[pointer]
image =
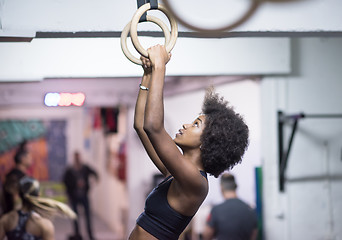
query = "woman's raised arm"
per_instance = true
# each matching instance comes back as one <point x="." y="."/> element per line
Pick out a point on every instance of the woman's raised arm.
<point x="139" y="116"/>
<point x="185" y="172"/>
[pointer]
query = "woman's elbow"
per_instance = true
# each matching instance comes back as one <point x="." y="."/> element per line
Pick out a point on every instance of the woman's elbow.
<point x="137" y="126"/>
<point x="150" y="127"/>
<point x="147" y="128"/>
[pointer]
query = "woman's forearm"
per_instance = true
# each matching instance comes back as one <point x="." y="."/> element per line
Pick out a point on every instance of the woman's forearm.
<point x="139" y="123"/>
<point x="141" y="103"/>
<point x="154" y="110"/>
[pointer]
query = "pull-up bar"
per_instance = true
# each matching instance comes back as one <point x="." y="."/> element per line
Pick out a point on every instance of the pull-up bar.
<point x="284" y="154"/>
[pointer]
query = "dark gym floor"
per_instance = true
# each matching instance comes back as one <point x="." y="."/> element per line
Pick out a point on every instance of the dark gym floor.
<point x="64" y="228"/>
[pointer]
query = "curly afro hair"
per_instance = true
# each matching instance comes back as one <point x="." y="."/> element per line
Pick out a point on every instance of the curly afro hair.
<point x="225" y="136"/>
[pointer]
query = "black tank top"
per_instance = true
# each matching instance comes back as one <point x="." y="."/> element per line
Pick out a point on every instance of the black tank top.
<point x="159" y="218"/>
<point x="19" y="233"/>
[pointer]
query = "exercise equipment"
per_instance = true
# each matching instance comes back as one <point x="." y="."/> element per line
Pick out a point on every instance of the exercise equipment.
<point x="215" y="31"/>
<point x="134" y="25"/>
<point x="284" y="153"/>
<point x="139" y="16"/>
<point x="126" y="31"/>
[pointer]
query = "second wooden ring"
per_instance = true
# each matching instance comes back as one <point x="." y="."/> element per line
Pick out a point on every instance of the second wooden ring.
<point x="126" y="31"/>
<point x="134" y="28"/>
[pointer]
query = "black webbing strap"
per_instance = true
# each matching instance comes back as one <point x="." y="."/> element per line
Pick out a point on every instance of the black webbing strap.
<point x="154" y="5"/>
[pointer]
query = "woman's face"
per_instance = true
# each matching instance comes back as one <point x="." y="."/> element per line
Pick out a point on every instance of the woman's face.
<point x="27" y="159"/>
<point x="190" y="135"/>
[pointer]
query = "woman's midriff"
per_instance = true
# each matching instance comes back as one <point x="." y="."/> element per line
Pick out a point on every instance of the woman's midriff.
<point x="139" y="233"/>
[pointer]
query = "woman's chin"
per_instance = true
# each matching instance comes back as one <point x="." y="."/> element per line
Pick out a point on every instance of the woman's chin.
<point x="175" y="140"/>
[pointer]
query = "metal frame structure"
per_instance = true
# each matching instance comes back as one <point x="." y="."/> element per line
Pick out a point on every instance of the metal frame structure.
<point x="284" y="153"/>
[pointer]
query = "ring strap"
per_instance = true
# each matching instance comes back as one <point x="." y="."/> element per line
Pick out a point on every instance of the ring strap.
<point x="140" y="3"/>
<point x="154" y="5"/>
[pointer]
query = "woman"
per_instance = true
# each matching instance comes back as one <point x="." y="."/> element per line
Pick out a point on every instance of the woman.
<point x="213" y="142"/>
<point x="23" y="161"/>
<point x="29" y="222"/>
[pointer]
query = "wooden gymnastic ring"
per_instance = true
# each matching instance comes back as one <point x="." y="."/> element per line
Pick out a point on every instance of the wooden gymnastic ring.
<point x="212" y="31"/>
<point x="125" y="33"/>
<point x="134" y="25"/>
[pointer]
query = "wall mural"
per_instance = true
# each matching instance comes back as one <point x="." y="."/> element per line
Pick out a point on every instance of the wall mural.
<point x="46" y="142"/>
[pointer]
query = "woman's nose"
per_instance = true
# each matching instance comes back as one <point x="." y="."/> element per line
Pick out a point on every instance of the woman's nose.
<point x="185" y="126"/>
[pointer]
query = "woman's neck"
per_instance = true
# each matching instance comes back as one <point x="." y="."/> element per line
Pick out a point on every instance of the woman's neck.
<point x="22" y="168"/>
<point x="194" y="156"/>
<point x="25" y="209"/>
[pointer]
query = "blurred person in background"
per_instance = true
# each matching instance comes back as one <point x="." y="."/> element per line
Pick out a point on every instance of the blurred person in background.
<point x="77" y="181"/>
<point x="233" y="219"/>
<point x="31" y="221"/>
<point x="23" y="161"/>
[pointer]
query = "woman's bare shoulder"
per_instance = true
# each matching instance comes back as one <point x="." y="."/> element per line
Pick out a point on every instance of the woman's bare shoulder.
<point x="39" y="218"/>
<point x="44" y="223"/>
<point x="10" y="216"/>
<point x="9" y="220"/>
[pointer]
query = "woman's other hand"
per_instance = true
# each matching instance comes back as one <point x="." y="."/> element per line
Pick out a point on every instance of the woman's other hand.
<point x="147" y="66"/>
